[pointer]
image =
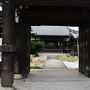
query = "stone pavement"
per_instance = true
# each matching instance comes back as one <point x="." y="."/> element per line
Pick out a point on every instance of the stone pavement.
<point x="62" y="79"/>
<point x="53" y="63"/>
<point x="52" y="79"/>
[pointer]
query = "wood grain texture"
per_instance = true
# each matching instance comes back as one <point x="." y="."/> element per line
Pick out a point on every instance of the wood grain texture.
<point x="80" y="3"/>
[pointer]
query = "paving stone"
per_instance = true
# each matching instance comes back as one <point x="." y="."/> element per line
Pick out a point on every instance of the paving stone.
<point x="53" y="63"/>
<point x="51" y="79"/>
<point x="61" y="79"/>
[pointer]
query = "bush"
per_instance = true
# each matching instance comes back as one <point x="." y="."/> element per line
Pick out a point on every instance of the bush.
<point x="36" y="46"/>
<point x="75" y="50"/>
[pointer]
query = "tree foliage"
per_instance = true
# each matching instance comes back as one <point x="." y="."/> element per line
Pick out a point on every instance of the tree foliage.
<point x="36" y="46"/>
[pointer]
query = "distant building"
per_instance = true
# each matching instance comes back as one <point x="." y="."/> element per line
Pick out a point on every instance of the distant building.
<point x="56" y="38"/>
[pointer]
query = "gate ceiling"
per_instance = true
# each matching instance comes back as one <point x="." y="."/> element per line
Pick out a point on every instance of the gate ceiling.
<point x="80" y="3"/>
<point x="55" y="12"/>
<point x="56" y="15"/>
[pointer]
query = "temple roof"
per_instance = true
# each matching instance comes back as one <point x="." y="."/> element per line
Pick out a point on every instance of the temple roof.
<point x="53" y="31"/>
<point x="50" y="30"/>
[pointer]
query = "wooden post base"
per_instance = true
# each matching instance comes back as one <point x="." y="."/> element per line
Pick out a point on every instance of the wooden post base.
<point x="7" y="79"/>
<point x="18" y="76"/>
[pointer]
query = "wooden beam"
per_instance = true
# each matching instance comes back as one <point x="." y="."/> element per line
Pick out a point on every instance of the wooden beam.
<point x="73" y="3"/>
<point x="55" y="16"/>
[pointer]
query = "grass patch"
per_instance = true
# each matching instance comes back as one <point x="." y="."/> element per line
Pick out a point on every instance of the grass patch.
<point x="68" y="58"/>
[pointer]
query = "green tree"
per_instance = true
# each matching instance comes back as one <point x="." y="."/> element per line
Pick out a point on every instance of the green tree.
<point x="36" y="46"/>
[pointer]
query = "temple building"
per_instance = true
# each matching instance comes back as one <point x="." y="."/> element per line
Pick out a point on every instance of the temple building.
<point x="56" y="38"/>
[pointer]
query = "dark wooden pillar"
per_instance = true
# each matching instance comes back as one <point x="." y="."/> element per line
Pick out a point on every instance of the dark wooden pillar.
<point x="84" y="48"/>
<point x="84" y="62"/>
<point x="88" y="51"/>
<point x="8" y="43"/>
<point x="23" y="58"/>
<point x="28" y="47"/>
<point x="81" y="49"/>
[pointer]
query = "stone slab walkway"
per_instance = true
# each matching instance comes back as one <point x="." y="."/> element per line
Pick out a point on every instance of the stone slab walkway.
<point x="53" y="79"/>
<point x="62" y="79"/>
<point x="53" y="63"/>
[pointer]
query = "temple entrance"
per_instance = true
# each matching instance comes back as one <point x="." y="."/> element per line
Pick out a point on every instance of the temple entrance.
<point x="51" y="44"/>
<point x="16" y="32"/>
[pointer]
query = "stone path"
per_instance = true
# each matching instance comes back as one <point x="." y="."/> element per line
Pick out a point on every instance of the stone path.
<point x="55" y="76"/>
<point x="53" y="63"/>
<point x="51" y="79"/>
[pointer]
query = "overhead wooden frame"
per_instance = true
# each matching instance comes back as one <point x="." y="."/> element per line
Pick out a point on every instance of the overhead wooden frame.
<point x="42" y="15"/>
<point x="73" y="3"/>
